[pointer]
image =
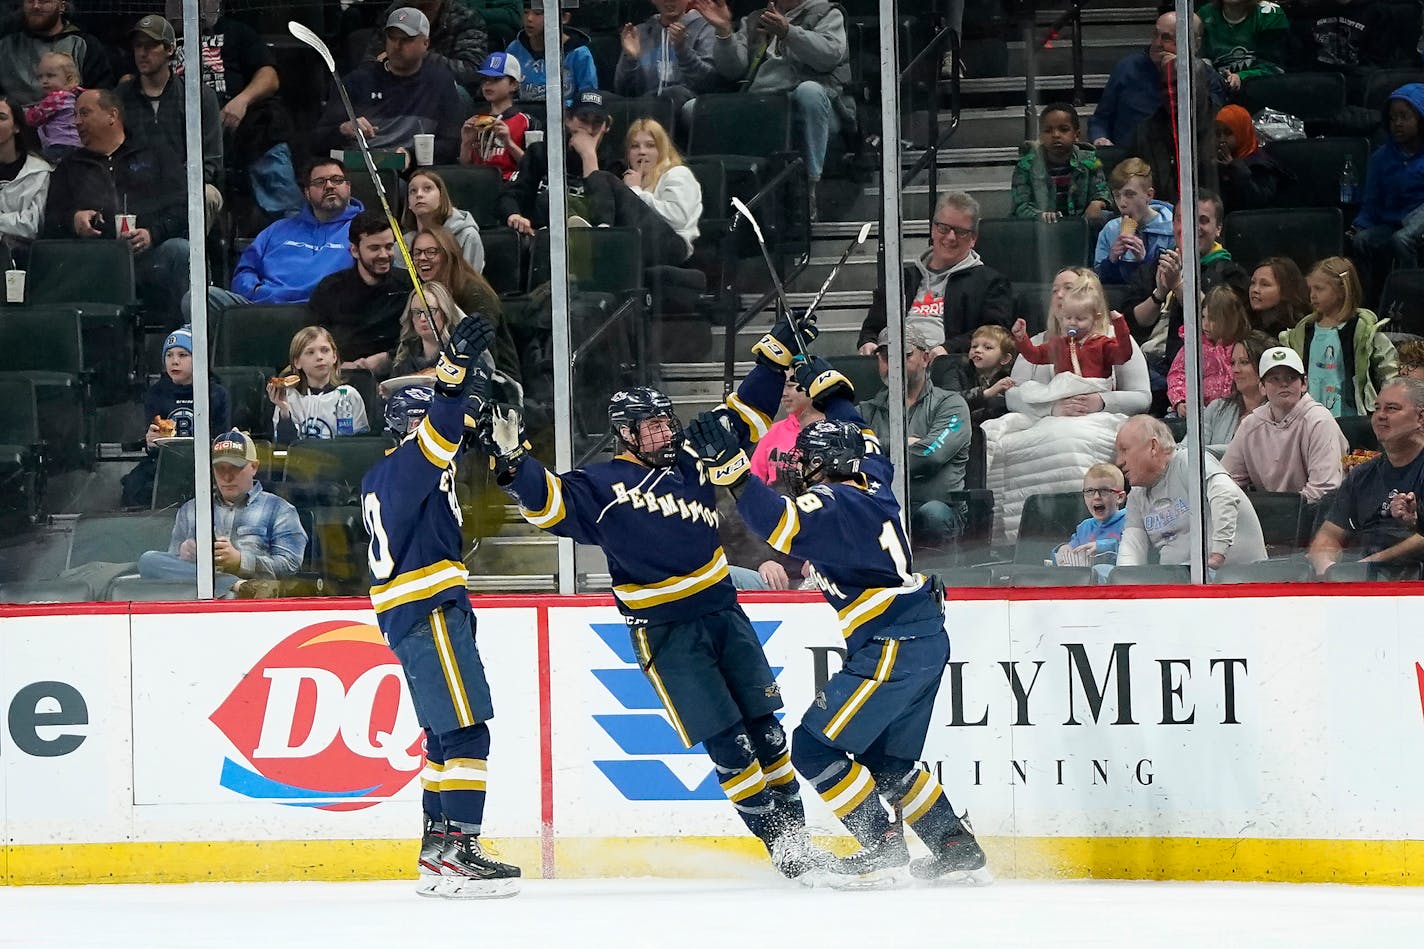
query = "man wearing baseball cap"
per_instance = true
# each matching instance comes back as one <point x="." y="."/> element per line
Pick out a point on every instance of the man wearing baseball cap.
<point x="497" y="138"/>
<point x="1290" y="442"/>
<point x="257" y="536"/>
<point x="407" y="93"/>
<point x="457" y="37"/>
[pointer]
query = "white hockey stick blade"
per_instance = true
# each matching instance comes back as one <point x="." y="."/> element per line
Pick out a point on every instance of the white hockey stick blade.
<point x="746" y="212"/>
<point x="864" y="233"/>
<point x="315" y="42"/>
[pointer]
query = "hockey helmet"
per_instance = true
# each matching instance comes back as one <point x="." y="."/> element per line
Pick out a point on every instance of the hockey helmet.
<point x="827" y="449"/>
<point x="406" y="407"/>
<point x="629" y="409"/>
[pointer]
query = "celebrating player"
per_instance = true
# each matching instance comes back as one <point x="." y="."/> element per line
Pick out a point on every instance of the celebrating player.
<point x="418" y="592"/>
<point x="655" y="516"/>
<point x="867" y="727"/>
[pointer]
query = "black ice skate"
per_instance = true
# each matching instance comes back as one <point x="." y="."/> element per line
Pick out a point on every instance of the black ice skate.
<point x="957" y="859"/>
<point x="432" y="841"/>
<point x="797" y="857"/>
<point x="877" y="863"/>
<point x="466" y="873"/>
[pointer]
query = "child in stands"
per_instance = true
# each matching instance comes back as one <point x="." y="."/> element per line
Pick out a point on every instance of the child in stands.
<point x="1390" y="226"/>
<point x="1060" y="177"/>
<point x="984" y="379"/>
<point x="1142" y="230"/>
<point x="309" y="398"/>
<point x="497" y="138"/>
<point x="1223" y="324"/>
<point x="53" y="116"/>
<point x="1096" y="539"/>
<point x="1094" y="340"/>
<point x="1411" y="359"/>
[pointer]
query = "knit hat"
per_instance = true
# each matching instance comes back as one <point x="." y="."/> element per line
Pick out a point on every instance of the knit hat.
<point x="179" y="339"/>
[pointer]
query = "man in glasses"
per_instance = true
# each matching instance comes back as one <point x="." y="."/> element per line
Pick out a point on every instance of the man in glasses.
<point x="949" y="282"/>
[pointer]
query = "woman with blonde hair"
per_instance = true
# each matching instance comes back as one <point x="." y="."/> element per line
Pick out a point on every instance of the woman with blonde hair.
<point x="428" y="206"/>
<point x="423" y="328"/>
<point x="437" y="260"/>
<point x="657" y="176"/>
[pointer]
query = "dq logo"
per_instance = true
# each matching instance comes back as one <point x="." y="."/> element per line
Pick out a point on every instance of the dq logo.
<point x="645" y="731"/>
<point x="323" y="720"/>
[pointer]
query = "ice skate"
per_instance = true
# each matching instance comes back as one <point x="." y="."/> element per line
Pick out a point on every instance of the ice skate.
<point x="797" y="857"/>
<point x="431" y="843"/>
<point x="468" y="874"/>
<point x="878" y="865"/>
<point x="957" y="859"/>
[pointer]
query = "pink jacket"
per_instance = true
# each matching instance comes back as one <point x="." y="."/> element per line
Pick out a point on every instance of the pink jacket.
<point x="1216" y="373"/>
<point x="778" y="440"/>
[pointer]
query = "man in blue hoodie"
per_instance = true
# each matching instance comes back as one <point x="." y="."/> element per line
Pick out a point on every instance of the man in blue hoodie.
<point x="291" y="256"/>
<point x="1390" y="225"/>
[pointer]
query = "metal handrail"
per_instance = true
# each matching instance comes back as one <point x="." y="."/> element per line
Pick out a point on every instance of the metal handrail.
<point x="1072" y="16"/>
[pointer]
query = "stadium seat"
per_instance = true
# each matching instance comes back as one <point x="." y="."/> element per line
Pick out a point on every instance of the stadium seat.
<point x="248" y="408"/>
<point x="1315" y="165"/>
<point x="1382" y="82"/>
<point x="708" y="253"/>
<point x="1025" y="575"/>
<point x="1178" y="427"/>
<point x="1359" y="433"/>
<point x="1402" y="302"/>
<point x="44" y="591"/>
<point x="1305" y="235"/>
<point x="977" y="507"/>
<point x="1110" y="155"/>
<point x="363" y="189"/>
<point x="1047" y="522"/>
<point x="80" y="271"/>
<point x="137" y="589"/>
<point x="944" y="371"/>
<point x="336" y="548"/>
<point x="1312" y="96"/>
<point x="1291" y="570"/>
<point x="1279" y="513"/>
<point x="327" y="472"/>
<point x="504" y="260"/>
<point x="259" y="335"/>
<point x="1031" y="304"/>
<point x="626" y="111"/>
<point x="1356" y="571"/>
<point x="966" y="577"/>
<point x="1154" y="573"/>
<point x="45" y="345"/>
<point x="21" y="452"/>
<point x="474" y="188"/>
<point x="1027" y="251"/>
<point x="173" y="480"/>
<point x="863" y="373"/>
<point x="745" y="130"/>
<point x="118" y="538"/>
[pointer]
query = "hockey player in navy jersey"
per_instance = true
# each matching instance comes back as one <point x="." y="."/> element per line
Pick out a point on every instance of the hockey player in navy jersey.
<point x="861" y="738"/>
<point x="418" y="591"/>
<point x="655" y="516"/>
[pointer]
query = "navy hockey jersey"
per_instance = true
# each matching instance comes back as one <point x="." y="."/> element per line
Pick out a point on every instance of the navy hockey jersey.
<point x="657" y="526"/>
<point x="850" y="532"/>
<point x="413" y="518"/>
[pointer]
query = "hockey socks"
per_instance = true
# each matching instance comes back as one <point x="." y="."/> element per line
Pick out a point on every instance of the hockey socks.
<point x="459" y="758"/>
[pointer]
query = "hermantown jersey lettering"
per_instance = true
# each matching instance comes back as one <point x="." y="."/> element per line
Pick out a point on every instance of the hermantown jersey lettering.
<point x="413" y="518"/>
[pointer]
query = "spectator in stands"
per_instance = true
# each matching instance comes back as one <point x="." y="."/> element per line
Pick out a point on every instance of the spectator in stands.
<point x="154" y="109"/>
<point x="1350" y="37"/>
<point x="1370" y="511"/>
<point x="1221" y="419"/>
<point x="670" y="196"/>
<point x="437" y="259"/>
<point x="1059" y="177"/>
<point x="1136" y="88"/>
<point x="503" y="19"/>
<point x="361" y="305"/>
<point x="457" y="37"/>
<point x="406" y="94"/>
<point x="523" y="203"/>
<point x="423" y="327"/>
<point x="168" y="407"/>
<point x="1155" y="138"/>
<point x="1348" y="359"/>
<point x="1247" y="174"/>
<point x="53" y="116"/>
<point x="257" y="536"/>
<point x="1411" y="359"/>
<point x="1291" y="443"/>
<point x="1129" y="392"/>
<point x="1096" y="539"/>
<point x="1141" y="231"/>
<point x="242" y="72"/>
<point x="1223" y="325"/>
<point x="579" y="73"/>
<point x="428" y="206"/>
<point x="112" y="175"/>
<point x="798" y="47"/>
<point x="1390" y="225"/>
<point x="773" y="450"/>
<point x="1159" y="509"/>
<point x="937" y="433"/>
<point x="1244" y="39"/>
<point x="497" y="137"/>
<point x="1094" y="340"/>
<point x="984" y="377"/>
<point x="949" y="281"/>
<point x="668" y="55"/>
<point x="24" y="183"/>
<point x="317" y="405"/>
<point x="1278" y="295"/>
<point x="43" y="28"/>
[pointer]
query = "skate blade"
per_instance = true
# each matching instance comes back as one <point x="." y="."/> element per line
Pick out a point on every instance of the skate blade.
<point x="889" y="879"/>
<point x="980" y="877"/>
<point x="469" y="888"/>
<point x="428" y="886"/>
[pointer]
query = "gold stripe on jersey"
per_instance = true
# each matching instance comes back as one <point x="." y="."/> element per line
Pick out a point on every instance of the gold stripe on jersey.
<point x="872" y="603"/>
<point x="786" y="529"/>
<point x="464" y="774"/>
<point x="553" y="510"/>
<point x="757" y="421"/>
<point x="779" y="771"/>
<point x="918" y="799"/>
<point x="415" y="585"/>
<point x="745" y="783"/>
<point x="847" y="793"/>
<point x="445" y="650"/>
<point x="437" y="450"/>
<point x="889" y="648"/>
<point x="645" y="659"/>
<point x="430" y="775"/>
<point x="642" y="596"/>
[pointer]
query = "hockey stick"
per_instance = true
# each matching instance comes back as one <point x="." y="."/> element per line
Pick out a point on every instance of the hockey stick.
<point x="316" y="43"/>
<point x="740" y="207"/>
<point x="816" y="300"/>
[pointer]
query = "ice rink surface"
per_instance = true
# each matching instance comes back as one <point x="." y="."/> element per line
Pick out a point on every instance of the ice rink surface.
<point x="692" y="914"/>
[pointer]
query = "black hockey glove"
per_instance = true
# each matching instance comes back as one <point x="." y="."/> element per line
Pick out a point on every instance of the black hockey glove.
<point x="457" y="372"/>
<point x="822" y="382"/>
<point x="719" y="451"/>
<point x="776" y="349"/>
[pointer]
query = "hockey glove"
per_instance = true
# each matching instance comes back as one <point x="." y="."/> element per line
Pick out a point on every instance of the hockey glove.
<point x="719" y="451"/>
<point x="502" y="436"/>
<point x="776" y="349"/>
<point x="822" y="382"/>
<point x="456" y="370"/>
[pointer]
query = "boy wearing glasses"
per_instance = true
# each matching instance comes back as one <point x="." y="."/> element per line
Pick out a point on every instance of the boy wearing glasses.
<point x="1096" y="539"/>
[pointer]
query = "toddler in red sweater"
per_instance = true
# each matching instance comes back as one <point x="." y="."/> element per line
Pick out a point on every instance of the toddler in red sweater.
<point x="1083" y="338"/>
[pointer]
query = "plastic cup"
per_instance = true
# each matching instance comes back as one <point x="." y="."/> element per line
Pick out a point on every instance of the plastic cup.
<point x="125" y="224"/>
<point x="424" y="149"/>
<point x="532" y="136"/>
<point x="14" y="286"/>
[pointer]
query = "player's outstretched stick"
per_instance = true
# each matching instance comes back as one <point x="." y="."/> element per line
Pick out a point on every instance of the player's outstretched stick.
<point x="830" y="277"/>
<point x="746" y="212"/>
<point x="316" y="43"/>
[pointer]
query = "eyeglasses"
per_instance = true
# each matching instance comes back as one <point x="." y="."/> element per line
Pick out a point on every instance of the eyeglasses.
<point x="426" y="314"/>
<point x="944" y="230"/>
<point x="335" y="180"/>
<point x="1099" y="492"/>
<point x="425" y="253"/>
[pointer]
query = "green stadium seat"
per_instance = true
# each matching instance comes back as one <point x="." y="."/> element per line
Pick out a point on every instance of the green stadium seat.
<point x="328" y="471"/>
<point x="80" y="271"/>
<point x="1315" y="165"/>
<point x="259" y="335"/>
<point x="1292" y="570"/>
<point x="1280" y="515"/>
<point x="1048" y="520"/>
<point x="45" y="345"/>
<point x="474" y="188"/>
<point x="1305" y="235"/>
<point x="21" y="453"/>
<point x="1154" y="573"/>
<point x="248" y="407"/>
<point x="119" y="538"/>
<point x="1312" y="96"/>
<point x="1028" y="251"/>
<point x="863" y="373"/>
<point x="1024" y="575"/>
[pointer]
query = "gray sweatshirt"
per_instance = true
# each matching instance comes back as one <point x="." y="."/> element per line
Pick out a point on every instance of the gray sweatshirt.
<point x="1159" y="518"/>
<point x="660" y="63"/>
<point x="815" y="48"/>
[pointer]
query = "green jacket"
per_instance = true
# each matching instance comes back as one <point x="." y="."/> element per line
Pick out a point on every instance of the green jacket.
<point x="1370" y="358"/>
<point x="1033" y="190"/>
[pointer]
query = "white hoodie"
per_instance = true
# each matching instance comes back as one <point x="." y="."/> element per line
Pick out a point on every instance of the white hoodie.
<point x="22" y="201"/>
<point x="677" y="197"/>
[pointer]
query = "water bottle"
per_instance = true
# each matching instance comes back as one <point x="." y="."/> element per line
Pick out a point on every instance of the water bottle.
<point x="345" y="424"/>
<point x="1349" y="183"/>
